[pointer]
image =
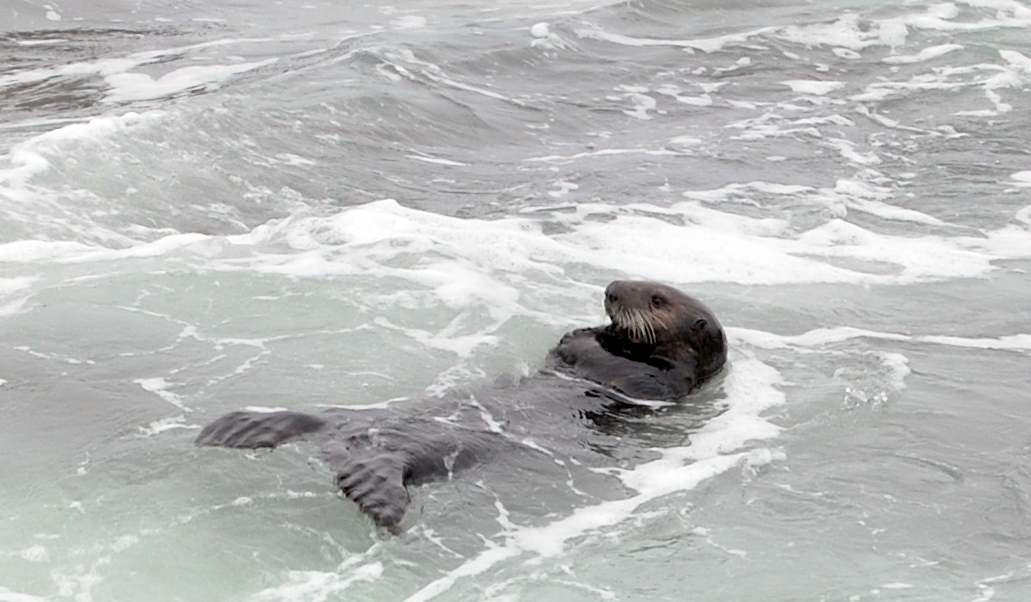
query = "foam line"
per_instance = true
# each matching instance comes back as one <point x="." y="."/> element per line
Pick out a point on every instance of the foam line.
<point x="826" y="336"/>
<point x="636" y="239"/>
<point x="127" y="87"/>
<point x="705" y="44"/>
<point x="813" y="87"/>
<point x="925" y="54"/>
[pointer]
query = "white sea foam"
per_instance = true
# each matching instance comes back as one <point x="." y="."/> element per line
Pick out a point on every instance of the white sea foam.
<point x="318" y="586"/>
<point x="992" y="77"/>
<point x="602" y="153"/>
<point x="200" y="244"/>
<point x="433" y="72"/>
<point x="436" y="160"/>
<point x="133" y="86"/>
<point x="703" y="44"/>
<point x="1016" y="60"/>
<point x="540" y="30"/>
<point x="446" y="340"/>
<point x="897" y="367"/>
<point x="814" y="87"/>
<point x="847" y="33"/>
<point x="99" y="67"/>
<point x="847" y="148"/>
<point x="1023" y="178"/>
<point x="7" y="595"/>
<point x="10" y="286"/>
<point x="159" y="386"/>
<point x="644" y="105"/>
<point x="25" y="251"/>
<point x="409" y="22"/>
<point x="35" y="553"/>
<point x="140" y="86"/>
<point x="685" y="141"/>
<point x="820" y="337"/>
<point x="711" y="245"/>
<point x="1016" y="342"/>
<point x="851" y="33"/>
<point x="265" y="409"/>
<point x="29" y="157"/>
<point x="925" y="54"/>
<point x="165" y="424"/>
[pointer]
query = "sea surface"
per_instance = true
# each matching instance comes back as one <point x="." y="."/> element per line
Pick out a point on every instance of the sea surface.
<point x="207" y="206"/>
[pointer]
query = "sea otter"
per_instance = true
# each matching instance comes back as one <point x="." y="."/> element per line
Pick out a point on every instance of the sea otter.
<point x="661" y="345"/>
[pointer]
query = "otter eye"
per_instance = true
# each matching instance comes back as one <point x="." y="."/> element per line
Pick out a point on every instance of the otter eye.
<point x="658" y="300"/>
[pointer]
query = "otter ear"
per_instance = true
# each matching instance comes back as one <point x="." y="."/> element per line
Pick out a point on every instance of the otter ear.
<point x="700" y="324"/>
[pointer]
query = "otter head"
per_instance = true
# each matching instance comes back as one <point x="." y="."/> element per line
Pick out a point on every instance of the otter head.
<point x="665" y="324"/>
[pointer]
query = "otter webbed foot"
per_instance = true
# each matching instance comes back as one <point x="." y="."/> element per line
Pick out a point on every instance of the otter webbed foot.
<point x="251" y="430"/>
<point x="377" y="485"/>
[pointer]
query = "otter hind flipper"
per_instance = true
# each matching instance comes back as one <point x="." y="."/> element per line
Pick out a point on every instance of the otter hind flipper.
<point x="377" y="485"/>
<point x="375" y="466"/>
<point x="252" y="430"/>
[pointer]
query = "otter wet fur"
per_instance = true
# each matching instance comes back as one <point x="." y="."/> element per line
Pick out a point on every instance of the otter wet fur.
<point x="661" y="345"/>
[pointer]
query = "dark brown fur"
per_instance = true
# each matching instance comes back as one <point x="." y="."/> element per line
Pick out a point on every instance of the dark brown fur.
<point x="661" y="345"/>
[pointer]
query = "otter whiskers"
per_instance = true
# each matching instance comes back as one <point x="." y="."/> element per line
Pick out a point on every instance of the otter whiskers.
<point x="639" y="325"/>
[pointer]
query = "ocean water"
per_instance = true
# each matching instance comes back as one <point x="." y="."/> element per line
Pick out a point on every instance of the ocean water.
<point x="207" y="206"/>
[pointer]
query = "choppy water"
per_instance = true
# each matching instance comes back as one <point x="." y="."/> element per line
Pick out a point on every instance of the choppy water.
<point x="208" y="206"/>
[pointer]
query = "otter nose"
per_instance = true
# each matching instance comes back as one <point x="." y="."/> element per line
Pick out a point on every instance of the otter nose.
<point x="611" y="295"/>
